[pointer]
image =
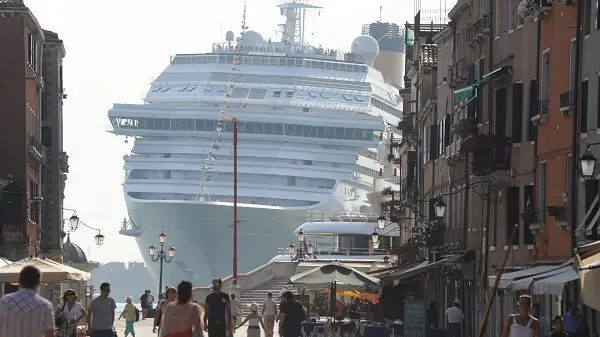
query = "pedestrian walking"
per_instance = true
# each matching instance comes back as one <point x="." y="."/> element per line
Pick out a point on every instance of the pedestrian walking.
<point x="455" y="318"/>
<point x="24" y="313"/>
<point x="291" y="316"/>
<point x="101" y="314"/>
<point x="255" y="322"/>
<point x="544" y="325"/>
<point x="236" y="309"/>
<point x="218" y="311"/>
<point x="573" y="321"/>
<point x="144" y="303"/>
<point x="182" y="318"/>
<point x="170" y="296"/>
<point x="432" y="316"/>
<point x="269" y="312"/>
<point x="131" y="315"/>
<point x="68" y="313"/>
<point x="557" y="323"/>
<point x="522" y="324"/>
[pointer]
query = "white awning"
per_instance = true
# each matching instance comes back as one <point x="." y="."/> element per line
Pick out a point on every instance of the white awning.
<point x="507" y="279"/>
<point x="525" y="283"/>
<point x="554" y="285"/>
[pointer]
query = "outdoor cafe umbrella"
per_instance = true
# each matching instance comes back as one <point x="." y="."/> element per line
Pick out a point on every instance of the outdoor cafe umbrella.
<point x="51" y="271"/>
<point x="342" y="276"/>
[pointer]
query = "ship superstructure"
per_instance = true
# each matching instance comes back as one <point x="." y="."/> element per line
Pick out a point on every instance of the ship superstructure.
<point x="309" y="121"/>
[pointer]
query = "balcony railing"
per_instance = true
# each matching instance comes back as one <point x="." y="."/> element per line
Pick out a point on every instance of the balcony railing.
<point x="489" y="160"/>
<point x="37" y="149"/>
<point x="542" y="112"/>
<point x="567" y="101"/>
<point x="536" y="219"/>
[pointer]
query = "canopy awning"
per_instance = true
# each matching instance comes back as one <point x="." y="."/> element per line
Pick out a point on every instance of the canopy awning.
<point x="4" y="262"/>
<point x="343" y="276"/>
<point x="422" y="268"/>
<point x="554" y="285"/>
<point x="589" y="274"/>
<point x="51" y="271"/>
<point x="507" y="280"/>
<point x="467" y="91"/>
<point x="525" y="283"/>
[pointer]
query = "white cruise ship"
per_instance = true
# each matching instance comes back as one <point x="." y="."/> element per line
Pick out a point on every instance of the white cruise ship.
<point x="309" y="120"/>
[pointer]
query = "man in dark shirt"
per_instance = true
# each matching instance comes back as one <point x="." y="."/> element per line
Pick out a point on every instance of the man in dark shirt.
<point x="144" y="303"/>
<point x="432" y="316"/>
<point x="291" y="316"/>
<point x="218" y="310"/>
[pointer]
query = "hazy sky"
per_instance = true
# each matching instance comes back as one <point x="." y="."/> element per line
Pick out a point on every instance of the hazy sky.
<point x="115" y="48"/>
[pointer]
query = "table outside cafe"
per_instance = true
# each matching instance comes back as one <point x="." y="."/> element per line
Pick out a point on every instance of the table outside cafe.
<point x="340" y="278"/>
<point x="52" y="272"/>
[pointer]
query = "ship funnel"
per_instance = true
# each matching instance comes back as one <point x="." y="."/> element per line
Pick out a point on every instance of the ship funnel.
<point x="367" y="47"/>
<point x="229" y="36"/>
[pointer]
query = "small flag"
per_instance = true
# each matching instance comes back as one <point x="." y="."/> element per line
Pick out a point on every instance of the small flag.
<point x="224" y="118"/>
<point x="216" y="146"/>
<point x="219" y="129"/>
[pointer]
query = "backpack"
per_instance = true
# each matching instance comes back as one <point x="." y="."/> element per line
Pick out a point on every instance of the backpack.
<point x="137" y="315"/>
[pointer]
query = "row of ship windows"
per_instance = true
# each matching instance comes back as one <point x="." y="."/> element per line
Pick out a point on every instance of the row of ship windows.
<point x="270" y="61"/>
<point x="297" y="130"/>
<point x="257" y="93"/>
<point x="241" y="200"/>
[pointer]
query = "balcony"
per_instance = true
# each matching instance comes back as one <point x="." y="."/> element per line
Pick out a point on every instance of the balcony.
<point x="478" y="30"/>
<point x="560" y="214"/>
<point x="453" y="239"/>
<point x="542" y="112"/>
<point x="453" y="152"/>
<point x="545" y="7"/>
<point x="535" y="219"/>
<point x="567" y="102"/>
<point x="64" y="162"/>
<point x="491" y="156"/>
<point x="36" y="149"/>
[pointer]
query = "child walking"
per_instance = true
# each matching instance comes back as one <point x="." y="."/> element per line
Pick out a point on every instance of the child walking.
<point x="255" y="322"/>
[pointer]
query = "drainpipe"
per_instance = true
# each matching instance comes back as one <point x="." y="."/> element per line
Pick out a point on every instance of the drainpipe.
<point x="537" y="129"/>
<point x="575" y="145"/>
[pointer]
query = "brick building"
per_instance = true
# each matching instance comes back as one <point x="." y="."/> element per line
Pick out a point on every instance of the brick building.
<point x="21" y="151"/>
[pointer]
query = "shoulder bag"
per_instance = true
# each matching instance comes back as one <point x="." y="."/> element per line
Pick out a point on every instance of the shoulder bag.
<point x="59" y="320"/>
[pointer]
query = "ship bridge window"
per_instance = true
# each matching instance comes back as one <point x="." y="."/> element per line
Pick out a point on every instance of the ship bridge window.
<point x="348" y="98"/>
<point x="278" y="128"/>
<point x="277" y="93"/>
<point x="249" y="127"/>
<point x="221" y="89"/>
<point x="156" y="89"/>
<point x="200" y="125"/>
<point x="208" y="88"/>
<point x="329" y="65"/>
<point x="326" y="96"/>
<point x="182" y="89"/>
<point x="166" y="89"/>
<point x="313" y="95"/>
<point x="329" y="132"/>
<point x="268" y="128"/>
<point x="289" y="94"/>
<point x="299" y="62"/>
<point x="359" y="98"/>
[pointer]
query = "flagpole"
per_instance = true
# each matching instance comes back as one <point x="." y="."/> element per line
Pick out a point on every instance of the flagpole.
<point x="235" y="220"/>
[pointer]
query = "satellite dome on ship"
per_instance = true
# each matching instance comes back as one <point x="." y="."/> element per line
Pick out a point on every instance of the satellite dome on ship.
<point x="252" y="38"/>
<point x="367" y="47"/>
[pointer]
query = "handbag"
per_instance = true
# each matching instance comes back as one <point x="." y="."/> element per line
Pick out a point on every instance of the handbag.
<point x="159" y="313"/>
<point x="59" y="320"/>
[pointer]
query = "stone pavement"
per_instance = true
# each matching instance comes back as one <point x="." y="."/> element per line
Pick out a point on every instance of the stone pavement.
<point x="143" y="328"/>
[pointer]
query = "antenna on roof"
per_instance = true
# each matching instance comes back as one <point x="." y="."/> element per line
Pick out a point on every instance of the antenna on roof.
<point x="244" y="27"/>
<point x="380" y="10"/>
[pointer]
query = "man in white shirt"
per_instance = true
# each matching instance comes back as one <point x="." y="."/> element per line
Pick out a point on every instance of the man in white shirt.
<point x="25" y="313"/>
<point x="455" y="317"/>
<point x="269" y="311"/>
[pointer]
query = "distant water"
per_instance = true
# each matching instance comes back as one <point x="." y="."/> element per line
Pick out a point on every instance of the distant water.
<point x="120" y="307"/>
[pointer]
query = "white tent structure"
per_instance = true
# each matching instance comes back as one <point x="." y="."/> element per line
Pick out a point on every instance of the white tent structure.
<point x="51" y="271"/>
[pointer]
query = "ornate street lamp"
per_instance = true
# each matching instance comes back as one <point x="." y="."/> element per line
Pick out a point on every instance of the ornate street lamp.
<point x="291" y="249"/>
<point x="74" y="221"/>
<point x="386" y="259"/>
<point x="301" y="236"/>
<point x="381" y="222"/>
<point x="587" y="163"/>
<point x="375" y="237"/>
<point x="99" y="239"/>
<point x="440" y="208"/>
<point x="161" y="256"/>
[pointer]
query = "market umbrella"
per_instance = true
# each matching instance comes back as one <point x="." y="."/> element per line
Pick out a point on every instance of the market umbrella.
<point x="51" y="271"/>
<point x="342" y="276"/>
<point x="589" y="277"/>
<point x="349" y="293"/>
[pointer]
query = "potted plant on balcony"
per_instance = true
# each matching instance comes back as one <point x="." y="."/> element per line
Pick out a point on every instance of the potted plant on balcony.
<point x="464" y="128"/>
<point x="477" y="142"/>
<point x="406" y="125"/>
<point x="553" y="210"/>
<point x="528" y="9"/>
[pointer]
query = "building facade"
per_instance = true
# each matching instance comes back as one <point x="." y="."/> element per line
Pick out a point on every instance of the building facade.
<point x="21" y="150"/>
<point x="54" y="173"/>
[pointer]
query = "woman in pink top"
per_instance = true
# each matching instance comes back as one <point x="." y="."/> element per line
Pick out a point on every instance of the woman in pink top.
<point x="182" y="317"/>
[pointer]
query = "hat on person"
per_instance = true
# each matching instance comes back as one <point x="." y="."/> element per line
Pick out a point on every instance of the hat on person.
<point x="254" y="307"/>
<point x="457" y="302"/>
<point x="128" y="298"/>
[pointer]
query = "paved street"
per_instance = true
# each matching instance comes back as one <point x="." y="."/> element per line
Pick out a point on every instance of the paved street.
<point x="143" y="328"/>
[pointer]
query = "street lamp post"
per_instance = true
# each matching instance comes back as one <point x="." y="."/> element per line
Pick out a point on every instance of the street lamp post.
<point x="161" y="257"/>
<point x="74" y="223"/>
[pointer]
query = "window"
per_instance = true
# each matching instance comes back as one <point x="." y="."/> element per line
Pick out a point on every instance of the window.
<point x="425" y="141"/>
<point x="441" y="137"/>
<point x="587" y="17"/>
<point x="277" y="93"/>
<point x="498" y="18"/>
<point x="512" y="213"/>
<point x="572" y="58"/>
<point x="528" y="195"/>
<point x="46" y="136"/>
<point x="517" y="112"/>
<point x="597" y="14"/>
<point x="533" y="97"/>
<point x="511" y="15"/>
<point x="541" y="205"/>
<point x="545" y="76"/>
<point x="433" y="142"/>
<point x="447" y="133"/>
<point x="598" y="106"/>
<point x="500" y="112"/>
<point x="584" y="107"/>
<point x="569" y="179"/>
<point x="479" y="111"/>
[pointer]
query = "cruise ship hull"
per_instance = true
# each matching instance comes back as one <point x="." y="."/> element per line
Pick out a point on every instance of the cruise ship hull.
<point x="202" y="234"/>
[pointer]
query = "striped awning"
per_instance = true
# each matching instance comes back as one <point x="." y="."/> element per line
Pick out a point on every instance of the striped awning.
<point x="554" y="285"/>
<point x="467" y="92"/>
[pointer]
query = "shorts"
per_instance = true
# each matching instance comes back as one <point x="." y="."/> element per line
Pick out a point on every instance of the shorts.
<point x="103" y="333"/>
<point x="217" y="329"/>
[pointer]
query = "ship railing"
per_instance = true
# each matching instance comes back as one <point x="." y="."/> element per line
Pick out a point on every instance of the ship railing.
<point x="340" y="216"/>
<point x="280" y="48"/>
<point x="339" y="251"/>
